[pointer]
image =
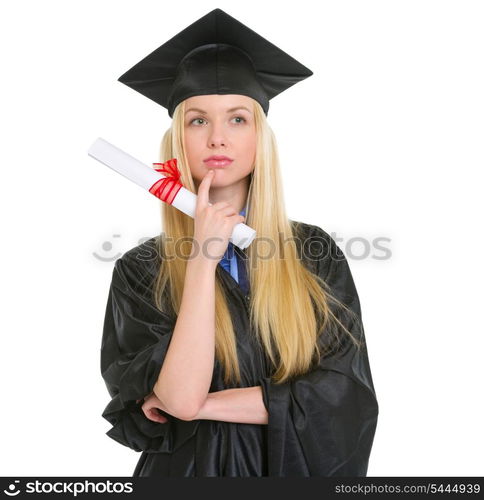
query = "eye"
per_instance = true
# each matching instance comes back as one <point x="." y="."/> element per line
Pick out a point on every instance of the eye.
<point x="197" y="119"/>
<point x="239" y="118"/>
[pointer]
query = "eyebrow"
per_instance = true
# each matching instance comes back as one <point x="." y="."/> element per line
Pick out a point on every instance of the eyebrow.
<point x="198" y="110"/>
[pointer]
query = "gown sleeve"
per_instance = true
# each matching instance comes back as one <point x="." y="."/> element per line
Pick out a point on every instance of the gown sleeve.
<point x="135" y="339"/>
<point x="323" y="422"/>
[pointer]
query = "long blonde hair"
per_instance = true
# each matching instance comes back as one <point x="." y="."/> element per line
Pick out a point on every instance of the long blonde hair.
<point x="289" y="304"/>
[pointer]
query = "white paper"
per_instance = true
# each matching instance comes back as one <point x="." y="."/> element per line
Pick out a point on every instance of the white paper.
<point x="145" y="177"/>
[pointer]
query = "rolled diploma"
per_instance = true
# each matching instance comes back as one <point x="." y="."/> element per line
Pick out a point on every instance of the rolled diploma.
<point x="145" y="177"/>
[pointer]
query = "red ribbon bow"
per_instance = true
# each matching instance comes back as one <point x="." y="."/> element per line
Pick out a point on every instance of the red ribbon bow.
<point x="167" y="188"/>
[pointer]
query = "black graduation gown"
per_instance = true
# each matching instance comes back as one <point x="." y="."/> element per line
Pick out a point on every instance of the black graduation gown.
<point x="320" y="424"/>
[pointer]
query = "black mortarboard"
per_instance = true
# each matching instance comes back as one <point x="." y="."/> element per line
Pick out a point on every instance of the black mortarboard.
<point x="215" y="55"/>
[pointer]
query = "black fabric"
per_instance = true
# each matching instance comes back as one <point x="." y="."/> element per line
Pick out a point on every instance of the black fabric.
<point x="320" y="424"/>
<point x="216" y="54"/>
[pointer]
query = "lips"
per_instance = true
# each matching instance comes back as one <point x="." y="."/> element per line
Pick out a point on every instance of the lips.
<point x="218" y="157"/>
<point x="218" y="161"/>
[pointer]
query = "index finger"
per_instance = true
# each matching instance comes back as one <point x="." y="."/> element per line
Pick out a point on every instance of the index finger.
<point x="203" y="189"/>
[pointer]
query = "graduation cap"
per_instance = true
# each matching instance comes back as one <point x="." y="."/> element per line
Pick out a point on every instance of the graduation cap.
<point x="215" y="55"/>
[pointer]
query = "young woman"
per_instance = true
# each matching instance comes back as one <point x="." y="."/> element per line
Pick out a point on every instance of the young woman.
<point x="221" y="361"/>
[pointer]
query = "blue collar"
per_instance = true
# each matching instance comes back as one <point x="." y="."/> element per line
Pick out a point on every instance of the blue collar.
<point x="229" y="260"/>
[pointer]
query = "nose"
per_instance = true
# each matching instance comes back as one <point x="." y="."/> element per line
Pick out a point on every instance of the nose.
<point x="216" y="137"/>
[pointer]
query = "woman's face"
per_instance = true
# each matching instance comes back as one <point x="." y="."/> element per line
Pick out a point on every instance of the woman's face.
<point x="220" y="125"/>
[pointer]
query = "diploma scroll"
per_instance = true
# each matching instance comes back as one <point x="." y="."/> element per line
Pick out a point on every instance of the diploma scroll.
<point x="147" y="177"/>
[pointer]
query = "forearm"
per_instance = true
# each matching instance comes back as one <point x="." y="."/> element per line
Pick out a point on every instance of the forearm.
<point x="242" y="405"/>
<point x="187" y="370"/>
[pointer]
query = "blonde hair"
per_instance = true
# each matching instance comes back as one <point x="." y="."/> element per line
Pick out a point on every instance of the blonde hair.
<point x="289" y="304"/>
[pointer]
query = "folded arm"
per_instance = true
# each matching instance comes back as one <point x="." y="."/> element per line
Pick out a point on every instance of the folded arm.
<point x="242" y="405"/>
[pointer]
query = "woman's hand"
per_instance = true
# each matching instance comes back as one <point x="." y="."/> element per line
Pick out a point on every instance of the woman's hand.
<point x="213" y="222"/>
<point x="150" y="406"/>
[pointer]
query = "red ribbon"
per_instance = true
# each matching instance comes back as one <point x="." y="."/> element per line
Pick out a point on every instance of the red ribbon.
<point x="167" y="188"/>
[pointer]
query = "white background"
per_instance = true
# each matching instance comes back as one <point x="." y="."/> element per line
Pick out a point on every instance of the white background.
<point x="385" y="140"/>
